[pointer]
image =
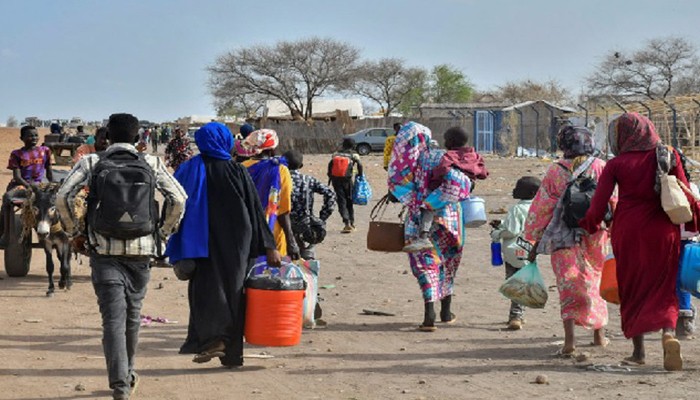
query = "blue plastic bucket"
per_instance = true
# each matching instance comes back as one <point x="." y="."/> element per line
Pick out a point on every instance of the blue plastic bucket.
<point x="690" y="269"/>
<point x="474" y="212"/>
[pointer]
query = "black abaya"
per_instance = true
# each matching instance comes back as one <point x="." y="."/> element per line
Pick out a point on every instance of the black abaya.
<point x="238" y="233"/>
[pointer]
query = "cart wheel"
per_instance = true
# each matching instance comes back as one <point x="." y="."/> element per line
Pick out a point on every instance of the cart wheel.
<point x="18" y="255"/>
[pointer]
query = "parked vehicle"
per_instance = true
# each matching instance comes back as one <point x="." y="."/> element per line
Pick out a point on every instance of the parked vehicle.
<point x="370" y="139"/>
<point x="75" y="122"/>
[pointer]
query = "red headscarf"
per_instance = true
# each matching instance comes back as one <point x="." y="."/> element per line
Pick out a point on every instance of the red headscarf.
<point x="632" y="132"/>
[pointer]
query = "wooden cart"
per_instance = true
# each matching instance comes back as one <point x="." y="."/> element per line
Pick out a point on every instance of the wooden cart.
<point x="62" y="152"/>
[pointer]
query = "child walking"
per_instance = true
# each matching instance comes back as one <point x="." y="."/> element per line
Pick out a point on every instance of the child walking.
<point x="508" y="231"/>
<point x="458" y="156"/>
<point x="308" y="229"/>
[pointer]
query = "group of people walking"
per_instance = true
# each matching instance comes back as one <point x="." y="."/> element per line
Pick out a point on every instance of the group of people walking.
<point x="625" y="214"/>
<point x="237" y="200"/>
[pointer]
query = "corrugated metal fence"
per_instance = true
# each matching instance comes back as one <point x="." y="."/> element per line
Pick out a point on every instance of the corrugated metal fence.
<point x="325" y="137"/>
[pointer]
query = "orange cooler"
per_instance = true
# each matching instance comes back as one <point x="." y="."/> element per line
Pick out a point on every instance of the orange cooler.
<point x="273" y="317"/>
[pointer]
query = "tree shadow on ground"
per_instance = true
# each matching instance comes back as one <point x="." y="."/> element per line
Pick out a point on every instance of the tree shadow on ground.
<point x="98" y="394"/>
<point x="470" y="367"/>
<point x="154" y="341"/>
<point x="143" y="372"/>
<point x="35" y="283"/>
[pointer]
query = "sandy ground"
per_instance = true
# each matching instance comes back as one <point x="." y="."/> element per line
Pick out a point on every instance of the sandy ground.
<point x="50" y="347"/>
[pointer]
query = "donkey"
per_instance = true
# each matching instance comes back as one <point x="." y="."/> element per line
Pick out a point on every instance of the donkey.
<point x="43" y="217"/>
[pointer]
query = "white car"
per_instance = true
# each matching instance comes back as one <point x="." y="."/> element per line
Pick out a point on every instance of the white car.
<point x="75" y="122"/>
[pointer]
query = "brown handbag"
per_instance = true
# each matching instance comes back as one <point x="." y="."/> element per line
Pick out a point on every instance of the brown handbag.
<point x="382" y="235"/>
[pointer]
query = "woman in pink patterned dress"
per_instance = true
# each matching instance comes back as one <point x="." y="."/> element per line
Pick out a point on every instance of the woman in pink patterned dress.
<point x="577" y="257"/>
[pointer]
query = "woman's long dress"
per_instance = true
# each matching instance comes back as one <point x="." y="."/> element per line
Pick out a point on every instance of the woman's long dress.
<point x="578" y="269"/>
<point x="645" y="242"/>
<point x="238" y="233"/>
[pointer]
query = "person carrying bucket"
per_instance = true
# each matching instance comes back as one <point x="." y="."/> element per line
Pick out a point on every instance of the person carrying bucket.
<point x="459" y="157"/>
<point x="434" y="268"/>
<point x="508" y="231"/>
<point x="223" y="231"/>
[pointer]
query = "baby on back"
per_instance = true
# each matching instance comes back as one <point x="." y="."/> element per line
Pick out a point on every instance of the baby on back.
<point x="459" y="156"/>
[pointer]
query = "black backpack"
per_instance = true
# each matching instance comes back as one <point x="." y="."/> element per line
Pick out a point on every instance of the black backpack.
<point x="578" y="194"/>
<point x="121" y="201"/>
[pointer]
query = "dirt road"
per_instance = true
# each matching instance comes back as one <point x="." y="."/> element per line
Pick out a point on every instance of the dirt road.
<point x="50" y="347"/>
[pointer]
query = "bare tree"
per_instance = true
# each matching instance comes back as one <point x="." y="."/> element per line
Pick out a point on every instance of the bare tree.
<point x="526" y="90"/>
<point x="12" y="122"/>
<point x="388" y="82"/>
<point x="293" y="72"/>
<point x="689" y="83"/>
<point x="232" y="101"/>
<point x="652" y="72"/>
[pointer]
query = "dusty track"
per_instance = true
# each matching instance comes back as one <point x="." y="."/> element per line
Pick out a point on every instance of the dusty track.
<point x="50" y="345"/>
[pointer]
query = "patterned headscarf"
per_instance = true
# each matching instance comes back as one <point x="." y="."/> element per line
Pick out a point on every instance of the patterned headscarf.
<point x="632" y="132"/>
<point x="412" y="141"/>
<point x="575" y="141"/>
<point x="242" y="151"/>
<point x="260" y="140"/>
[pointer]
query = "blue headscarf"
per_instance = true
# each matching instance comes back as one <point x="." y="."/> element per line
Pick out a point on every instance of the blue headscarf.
<point x="192" y="239"/>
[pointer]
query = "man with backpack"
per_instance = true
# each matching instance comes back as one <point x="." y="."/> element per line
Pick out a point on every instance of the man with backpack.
<point x="341" y="172"/>
<point x="124" y="232"/>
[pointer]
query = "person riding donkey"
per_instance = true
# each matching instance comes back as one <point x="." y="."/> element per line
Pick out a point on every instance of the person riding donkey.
<point x="29" y="165"/>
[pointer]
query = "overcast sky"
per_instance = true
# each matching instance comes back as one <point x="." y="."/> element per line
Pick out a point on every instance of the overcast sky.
<point x="92" y="58"/>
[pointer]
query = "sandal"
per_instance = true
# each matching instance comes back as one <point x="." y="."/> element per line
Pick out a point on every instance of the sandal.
<point x="632" y="362"/>
<point x="673" y="361"/>
<point x="452" y="320"/>
<point x="427" y="328"/>
<point x="214" y="352"/>
<point x="207" y="356"/>
<point x="562" y="354"/>
<point x="603" y="345"/>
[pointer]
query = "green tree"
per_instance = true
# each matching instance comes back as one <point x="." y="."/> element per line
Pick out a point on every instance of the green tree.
<point x="449" y="85"/>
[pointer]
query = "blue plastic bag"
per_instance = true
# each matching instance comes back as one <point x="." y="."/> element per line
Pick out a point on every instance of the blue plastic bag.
<point x="362" y="191"/>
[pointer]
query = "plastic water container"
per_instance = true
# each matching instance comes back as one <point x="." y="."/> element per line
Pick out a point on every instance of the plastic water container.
<point x="273" y="317"/>
<point x="496" y="257"/>
<point x="609" y="289"/>
<point x="474" y="212"/>
<point x="690" y="269"/>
